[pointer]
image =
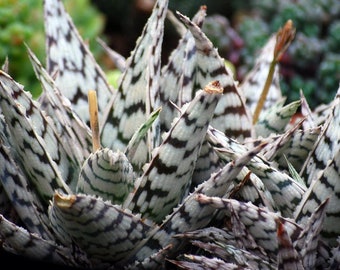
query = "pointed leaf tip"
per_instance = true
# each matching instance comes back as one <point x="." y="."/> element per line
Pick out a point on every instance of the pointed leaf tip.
<point x="64" y="201"/>
<point x="213" y="88"/>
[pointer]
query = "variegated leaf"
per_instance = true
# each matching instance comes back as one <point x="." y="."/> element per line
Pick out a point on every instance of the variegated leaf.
<point x="286" y="192"/>
<point x="321" y="112"/>
<point x="218" y="139"/>
<point x="297" y="149"/>
<point x="208" y="234"/>
<point x="231" y="115"/>
<point x="327" y="145"/>
<point x="308" y="242"/>
<point x="280" y="187"/>
<point x="19" y="241"/>
<point x="210" y="168"/>
<point x="104" y="231"/>
<point x="25" y="202"/>
<point x="306" y="113"/>
<point x="37" y="156"/>
<point x="231" y="254"/>
<point x="177" y="76"/>
<point x="167" y="178"/>
<point x="108" y="175"/>
<point x="260" y="223"/>
<point x="245" y="240"/>
<point x="157" y="260"/>
<point x="326" y="185"/>
<point x="249" y="187"/>
<point x="137" y="91"/>
<point x="207" y="162"/>
<point x="276" y="118"/>
<point x="252" y="85"/>
<point x="70" y="60"/>
<point x="191" y="215"/>
<point x="335" y="259"/>
<point x="288" y="258"/>
<point x="40" y="123"/>
<point x="73" y="132"/>
<point x="5" y="137"/>
<point x="6" y="207"/>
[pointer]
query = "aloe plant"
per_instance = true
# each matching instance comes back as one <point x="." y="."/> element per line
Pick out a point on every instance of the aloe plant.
<point x="169" y="169"/>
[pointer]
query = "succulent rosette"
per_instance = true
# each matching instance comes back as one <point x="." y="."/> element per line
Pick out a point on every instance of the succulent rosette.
<point x="170" y="168"/>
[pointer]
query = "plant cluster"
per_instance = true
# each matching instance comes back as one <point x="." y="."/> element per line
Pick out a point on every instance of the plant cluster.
<point x="179" y="166"/>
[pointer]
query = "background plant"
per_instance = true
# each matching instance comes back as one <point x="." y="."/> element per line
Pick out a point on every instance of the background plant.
<point x="317" y="71"/>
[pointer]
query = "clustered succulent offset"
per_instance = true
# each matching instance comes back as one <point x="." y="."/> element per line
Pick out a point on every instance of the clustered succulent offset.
<point x="169" y="170"/>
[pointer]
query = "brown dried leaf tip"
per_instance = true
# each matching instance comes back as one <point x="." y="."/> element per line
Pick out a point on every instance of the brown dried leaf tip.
<point x="64" y="201"/>
<point x="284" y="37"/>
<point x="214" y="87"/>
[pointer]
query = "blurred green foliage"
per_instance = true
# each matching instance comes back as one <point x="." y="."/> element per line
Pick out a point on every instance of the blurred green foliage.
<point x="22" y="22"/>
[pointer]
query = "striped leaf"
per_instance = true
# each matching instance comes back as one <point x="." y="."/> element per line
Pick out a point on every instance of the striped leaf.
<point x="309" y="242"/>
<point x="286" y="192"/>
<point x="71" y="62"/>
<point x="327" y="144"/>
<point x="108" y="175"/>
<point x="298" y="148"/>
<point x="5" y="137"/>
<point x="236" y="256"/>
<point x="325" y="186"/>
<point x="25" y="202"/>
<point x="168" y="176"/>
<point x="260" y="223"/>
<point x="276" y="118"/>
<point x="31" y="245"/>
<point x="104" y="231"/>
<point x="208" y="234"/>
<point x="231" y="115"/>
<point x="29" y="111"/>
<point x="37" y="156"/>
<point x="288" y="257"/>
<point x="137" y="96"/>
<point x="207" y="163"/>
<point x="253" y="83"/>
<point x="191" y="215"/>
<point x="177" y="76"/>
<point x="75" y="134"/>
<point x="203" y="263"/>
